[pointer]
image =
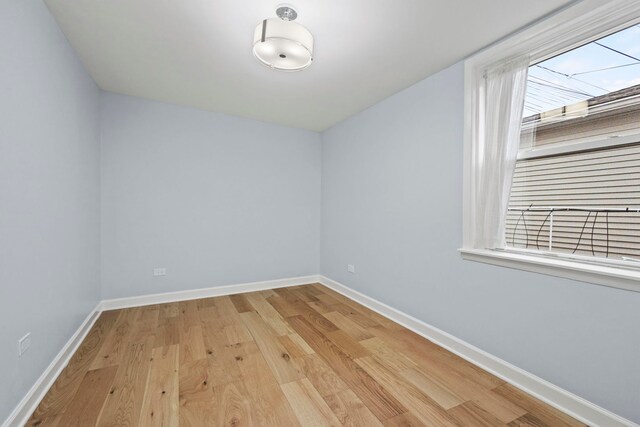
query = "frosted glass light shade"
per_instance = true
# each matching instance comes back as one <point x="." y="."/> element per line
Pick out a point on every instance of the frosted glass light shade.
<point x="283" y="45"/>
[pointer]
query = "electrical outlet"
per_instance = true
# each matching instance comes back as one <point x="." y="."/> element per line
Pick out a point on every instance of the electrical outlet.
<point x="351" y="268"/>
<point x="160" y="271"/>
<point x="23" y="344"/>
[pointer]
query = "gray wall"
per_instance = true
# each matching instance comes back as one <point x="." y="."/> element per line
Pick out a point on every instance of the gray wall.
<point x="392" y="206"/>
<point x="49" y="203"/>
<point x="214" y="199"/>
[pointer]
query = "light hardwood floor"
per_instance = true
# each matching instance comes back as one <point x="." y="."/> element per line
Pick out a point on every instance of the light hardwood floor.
<point x="304" y="355"/>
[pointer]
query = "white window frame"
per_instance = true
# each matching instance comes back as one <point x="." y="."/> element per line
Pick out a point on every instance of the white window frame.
<point x="572" y="27"/>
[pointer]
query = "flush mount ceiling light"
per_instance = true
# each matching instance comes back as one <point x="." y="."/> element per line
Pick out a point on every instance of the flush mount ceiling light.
<point x="282" y="44"/>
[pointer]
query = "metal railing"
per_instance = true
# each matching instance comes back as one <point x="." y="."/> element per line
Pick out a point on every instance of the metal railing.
<point x="551" y="210"/>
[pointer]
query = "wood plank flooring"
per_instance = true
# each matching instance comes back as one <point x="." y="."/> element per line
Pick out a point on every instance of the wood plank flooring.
<point x="300" y="356"/>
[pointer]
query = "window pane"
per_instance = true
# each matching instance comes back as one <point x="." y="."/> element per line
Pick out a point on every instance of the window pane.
<point x="576" y="198"/>
<point x="581" y="88"/>
<point x="588" y="193"/>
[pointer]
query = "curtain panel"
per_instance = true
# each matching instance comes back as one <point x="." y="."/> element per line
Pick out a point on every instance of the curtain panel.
<point x="506" y="85"/>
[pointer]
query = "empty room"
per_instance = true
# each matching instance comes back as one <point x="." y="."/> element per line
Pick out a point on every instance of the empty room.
<point x="319" y="213"/>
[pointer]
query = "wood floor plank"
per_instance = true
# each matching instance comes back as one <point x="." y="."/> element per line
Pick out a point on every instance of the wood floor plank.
<point x="503" y="409"/>
<point x="268" y="313"/>
<point x="300" y="308"/>
<point x="219" y="310"/>
<point x="283" y="308"/>
<point x="227" y="311"/>
<point x="198" y="413"/>
<point x="168" y="310"/>
<point x="241" y="303"/>
<point x="305" y="355"/>
<point x="253" y="367"/>
<point x="233" y="405"/>
<point x="470" y="414"/>
<point x="309" y="407"/>
<point x="87" y="404"/>
<point x="323" y="378"/>
<point x="404" y="420"/>
<point x="194" y="383"/>
<point x="189" y="315"/>
<point x="237" y="333"/>
<point x="205" y="304"/>
<point x="326" y="298"/>
<point x="52" y="421"/>
<point x="313" y="288"/>
<point x="269" y="404"/>
<point x="64" y="389"/>
<point x="355" y="315"/>
<point x="347" y="344"/>
<point x="124" y="402"/>
<point x="464" y="379"/>
<point x="387" y="355"/>
<point x="115" y="344"/>
<point x="292" y="347"/>
<point x="220" y="356"/>
<point x="196" y="398"/>
<point x="527" y="420"/>
<point x="303" y="293"/>
<point x="377" y="399"/>
<point x="161" y="400"/>
<point x="350" y="410"/>
<point x="320" y="307"/>
<point x="367" y="312"/>
<point x="191" y="344"/>
<point x="439" y="354"/>
<point x="284" y="367"/>
<point x="420" y="405"/>
<point x="433" y="388"/>
<point x="301" y="343"/>
<point x="409" y="370"/>
<point x="168" y="332"/>
<point x="147" y="312"/>
<point x="545" y="413"/>
<point x="347" y="325"/>
<point x="145" y="326"/>
<point x="265" y="293"/>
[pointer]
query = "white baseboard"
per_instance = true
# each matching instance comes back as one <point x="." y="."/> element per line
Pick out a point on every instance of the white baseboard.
<point x="31" y="400"/>
<point x="138" y="301"/>
<point x="563" y="400"/>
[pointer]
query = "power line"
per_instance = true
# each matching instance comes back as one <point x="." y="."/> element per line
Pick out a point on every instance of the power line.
<point x="571" y="77"/>
<point x="559" y="89"/>
<point x="553" y="85"/>
<point x="617" y="51"/>
<point x="553" y="96"/>
<point x="554" y="102"/>
<point x="604" y="69"/>
<point x="544" y="95"/>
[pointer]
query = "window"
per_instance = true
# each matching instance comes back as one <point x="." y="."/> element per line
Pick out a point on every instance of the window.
<point x="552" y="147"/>
<point x="576" y="185"/>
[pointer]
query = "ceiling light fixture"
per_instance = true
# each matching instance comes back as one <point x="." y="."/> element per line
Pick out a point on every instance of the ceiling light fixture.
<point x="282" y="44"/>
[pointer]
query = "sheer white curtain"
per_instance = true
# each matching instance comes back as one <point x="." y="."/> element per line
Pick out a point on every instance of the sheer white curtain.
<point x="506" y="85"/>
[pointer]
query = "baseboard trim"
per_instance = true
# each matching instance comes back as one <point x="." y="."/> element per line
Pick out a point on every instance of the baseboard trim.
<point x="31" y="400"/>
<point x="138" y="301"/>
<point x="551" y="394"/>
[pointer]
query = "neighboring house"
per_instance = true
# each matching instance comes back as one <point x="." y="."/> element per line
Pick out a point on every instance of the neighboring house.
<point x="583" y="163"/>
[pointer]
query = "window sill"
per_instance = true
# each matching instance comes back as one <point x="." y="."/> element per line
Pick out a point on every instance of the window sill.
<point x="614" y="277"/>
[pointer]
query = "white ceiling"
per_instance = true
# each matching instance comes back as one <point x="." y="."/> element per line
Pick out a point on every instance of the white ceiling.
<point x="198" y="52"/>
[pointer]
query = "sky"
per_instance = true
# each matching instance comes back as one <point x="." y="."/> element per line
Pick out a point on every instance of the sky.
<point x="585" y="72"/>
